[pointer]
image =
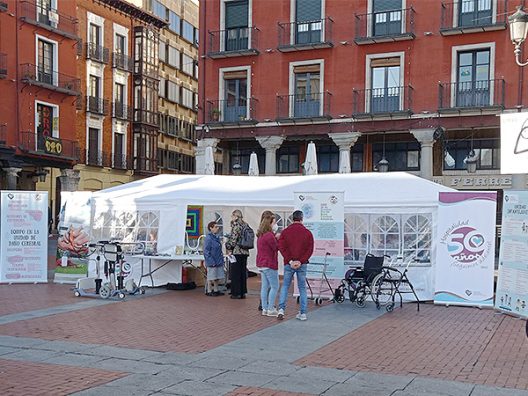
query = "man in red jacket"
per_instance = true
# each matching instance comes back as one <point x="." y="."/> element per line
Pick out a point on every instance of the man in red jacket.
<point x="296" y="245"/>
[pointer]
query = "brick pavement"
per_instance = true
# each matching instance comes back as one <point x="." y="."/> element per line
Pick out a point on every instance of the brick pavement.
<point x="26" y="378"/>
<point x="29" y="297"/>
<point x="251" y="391"/>
<point x="454" y="343"/>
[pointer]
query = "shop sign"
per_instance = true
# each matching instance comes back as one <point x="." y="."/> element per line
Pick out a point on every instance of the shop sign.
<point x="469" y="182"/>
<point x="53" y="145"/>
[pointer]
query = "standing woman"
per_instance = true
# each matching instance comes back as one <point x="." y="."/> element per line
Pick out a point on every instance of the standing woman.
<point x="267" y="262"/>
<point x="238" y="269"/>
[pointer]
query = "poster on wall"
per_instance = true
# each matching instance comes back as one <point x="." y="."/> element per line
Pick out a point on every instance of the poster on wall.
<point x="324" y="216"/>
<point x="465" y="258"/>
<point x="514" y="143"/>
<point x="512" y="285"/>
<point x="74" y="235"/>
<point x="23" y="236"/>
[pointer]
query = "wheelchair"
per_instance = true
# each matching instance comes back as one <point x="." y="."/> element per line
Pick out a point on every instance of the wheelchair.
<point x="360" y="283"/>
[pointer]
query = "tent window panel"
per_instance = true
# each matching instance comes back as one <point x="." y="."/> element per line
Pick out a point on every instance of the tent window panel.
<point x="385" y="236"/>
<point x="356" y="239"/>
<point x="417" y="232"/>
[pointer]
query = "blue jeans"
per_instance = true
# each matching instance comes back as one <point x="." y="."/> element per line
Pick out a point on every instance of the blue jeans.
<point x="269" y="288"/>
<point x="301" y="281"/>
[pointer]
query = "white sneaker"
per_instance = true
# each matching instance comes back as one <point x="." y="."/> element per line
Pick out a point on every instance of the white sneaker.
<point x="273" y="312"/>
<point x="280" y="314"/>
<point x="264" y="312"/>
<point x="301" y="316"/>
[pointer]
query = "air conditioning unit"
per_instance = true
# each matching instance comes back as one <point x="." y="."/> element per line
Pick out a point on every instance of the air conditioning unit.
<point x="53" y="17"/>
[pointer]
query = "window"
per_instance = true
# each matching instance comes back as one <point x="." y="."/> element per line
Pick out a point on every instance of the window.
<point x="119" y="93"/>
<point x="174" y="57"/>
<point x="47" y="118"/>
<point x="386" y="87"/>
<point x="94" y="86"/>
<point x="173" y="92"/>
<point x="187" y="64"/>
<point x="475" y="12"/>
<point x="236" y="25"/>
<point x="308" y="21"/>
<point x="174" y="22"/>
<point x="288" y="159"/>
<point x="357" y="158"/>
<point x="473" y="78"/>
<point x="487" y="151"/>
<point x="119" y="151"/>
<point x="401" y="156"/>
<point x="307" y="97"/>
<point x="159" y="9"/>
<point x="386" y="17"/>
<point x="94" y="156"/>
<point x="45" y="13"/>
<point x="95" y="34"/>
<point x="188" y="31"/>
<point x="45" y="63"/>
<point x="235" y="96"/>
<point x="163" y="52"/>
<point x="328" y="158"/>
<point x="120" y="44"/>
<point x="241" y="156"/>
<point x="187" y="98"/>
<point x="162" y="88"/>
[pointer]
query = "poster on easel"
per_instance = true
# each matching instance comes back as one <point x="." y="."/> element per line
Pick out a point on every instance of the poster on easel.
<point x="512" y="284"/>
<point x="23" y="236"/>
<point x="324" y="216"/>
<point x="465" y="253"/>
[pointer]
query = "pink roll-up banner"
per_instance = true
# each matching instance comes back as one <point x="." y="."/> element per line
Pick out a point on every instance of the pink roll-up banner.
<point x="465" y="251"/>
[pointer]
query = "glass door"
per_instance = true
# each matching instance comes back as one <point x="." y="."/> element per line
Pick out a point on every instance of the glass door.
<point x="307" y="98"/>
<point x="235" y="104"/>
<point x="473" y="79"/>
<point x="385" y="92"/>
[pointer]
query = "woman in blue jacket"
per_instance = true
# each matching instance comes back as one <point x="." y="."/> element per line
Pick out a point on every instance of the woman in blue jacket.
<point x="214" y="259"/>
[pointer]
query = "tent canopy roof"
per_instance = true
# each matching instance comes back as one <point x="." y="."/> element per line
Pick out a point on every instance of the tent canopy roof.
<point x="361" y="189"/>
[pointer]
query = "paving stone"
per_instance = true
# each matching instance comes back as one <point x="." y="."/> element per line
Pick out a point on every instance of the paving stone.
<point x="268" y="367"/>
<point x="242" y="378"/>
<point x="34" y="355"/>
<point x="113" y="391"/>
<point x="421" y="385"/>
<point x="375" y="381"/>
<point x="5" y="350"/>
<point x="481" y="390"/>
<point x="218" y="361"/>
<point x="192" y="373"/>
<point x="172" y="358"/>
<point x="64" y="346"/>
<point x="128" y="366"/>
<point x="122" y="353"/>
<point x="150" y="382"/>
<point x="328" y="374"/>
<point x="195" y="388"/>
<point x="347" y="390"/>
<point x="75" y="359"/>
<point x="300" y="384"/>
<point x="20" y="342"/>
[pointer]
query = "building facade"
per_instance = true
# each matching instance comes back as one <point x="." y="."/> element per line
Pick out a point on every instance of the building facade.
<point x="417" y="84"/>
<point x="38" y="142"/>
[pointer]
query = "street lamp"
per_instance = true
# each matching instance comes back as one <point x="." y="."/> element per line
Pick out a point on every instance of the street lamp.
<point x="237" y="169"/>
<point x="518" y="31"/>
<point x="471" y="161"/>
<point x="383" y="165"/>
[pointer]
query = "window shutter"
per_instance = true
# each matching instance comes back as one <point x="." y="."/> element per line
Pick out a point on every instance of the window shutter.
<point x="383" y="62"/>
<point x="386" y="5"/>
<point x="236" y="14"/>
<point x="306" y="69"/>
<point x="308" y="10"/>
<point x="235" y="74"/>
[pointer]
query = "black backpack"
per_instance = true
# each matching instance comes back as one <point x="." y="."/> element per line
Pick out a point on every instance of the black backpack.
<point x="247" y="237"/>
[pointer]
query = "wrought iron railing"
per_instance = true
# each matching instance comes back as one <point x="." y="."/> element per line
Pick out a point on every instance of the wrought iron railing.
<point x="94" y="157"/>
<point x="385" y="25"/>
<point x="66" y="149"/>
<point x="317" y="33"/>
<point x="468" y="14"/>
<point x="471" y="94"/>
<point x="39" y="75"/>
<point x="120" y="161"/>
<point x="48" y="18"/>
<point x="97" y="53"/>
<point x="122" y="62"/>
<point x="121" y="111"/>
<point x="312" y="105"/>
<point x="388" y="100"/>
<point x="97" y="105"/>
<point x="236" y="41"/>
<point x="231" y="110"/>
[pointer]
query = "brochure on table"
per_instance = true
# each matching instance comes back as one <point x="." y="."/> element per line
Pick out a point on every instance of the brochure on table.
<point x="512" y="285"/>
<point x="466" y="250"/>
<point x="24" y="236"/>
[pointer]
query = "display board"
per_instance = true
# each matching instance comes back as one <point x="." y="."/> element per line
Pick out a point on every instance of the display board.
<point x="465" y="254"/>
<point x="23" y="236"/>
<point x="514" y="143"/>
<point x="512" y="285"/>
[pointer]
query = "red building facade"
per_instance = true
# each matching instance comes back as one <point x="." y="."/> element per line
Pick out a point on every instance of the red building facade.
<point x="420" y="84"/>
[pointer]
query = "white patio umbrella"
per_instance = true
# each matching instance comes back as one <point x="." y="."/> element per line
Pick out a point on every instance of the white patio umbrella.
<point x="344" y="161"/>
<point x="209" y="166"/>
<point x="253" y="169"/>
<point x="310" y="163"/>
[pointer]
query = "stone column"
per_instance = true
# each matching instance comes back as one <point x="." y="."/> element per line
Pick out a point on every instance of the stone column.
<point x="12" y="175"/>
<point x="345" y="141"/>
<point x="69" y="179"/>
<point x="200" y="153"/>
<point x="425" y="137"/>
<point x="271" y="144"/>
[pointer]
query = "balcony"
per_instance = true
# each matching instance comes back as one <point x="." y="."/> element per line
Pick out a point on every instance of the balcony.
<point x="94" y="158"/>
<point x="382" y="102"/>
<point x="3" y="65"/>
<point x="385" y="26"/>
<point x="121" y="111"/>
<point x="306" y="35"/>
<point x="471" y="95"/>
<point x="59" y="148"/>
<point x="97" y="53"/>
<point x="242" y="41"/>
<point x="120" y="161"/>
<point x="470" y="16"/>
<point x="59" y="82"/>
<point x="49" y="19"/>
<point x="122" y="62"/>
<point x="291" y="108"/>
<point x="232" y="112"/>
<point x="146" y="117"/>
<point x="96" y="105"/>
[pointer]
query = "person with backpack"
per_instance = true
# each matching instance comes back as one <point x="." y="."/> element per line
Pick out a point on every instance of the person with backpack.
<point x="239" y="243"/>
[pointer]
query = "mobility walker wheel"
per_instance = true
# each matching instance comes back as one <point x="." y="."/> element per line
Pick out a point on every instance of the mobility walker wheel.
<point x="77" y="294"/>
<point x="390" y="307"/>
<point x="318" y="301"/>
<point x="105" y="292"/>
<point x="121" y="296"/>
